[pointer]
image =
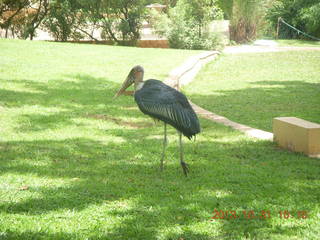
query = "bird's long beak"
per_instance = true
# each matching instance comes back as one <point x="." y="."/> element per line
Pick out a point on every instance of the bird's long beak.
<point x="127" y="83"/>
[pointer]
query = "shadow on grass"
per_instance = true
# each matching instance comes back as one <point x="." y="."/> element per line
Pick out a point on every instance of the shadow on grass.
<point x="75" y="96"/>
<point x="234" y="176"/>
<point x="258" y="105"/>
<point x="239" y="174"/>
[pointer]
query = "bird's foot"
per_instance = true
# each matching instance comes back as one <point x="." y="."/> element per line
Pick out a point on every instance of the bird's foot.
<point x="185" y="168"/>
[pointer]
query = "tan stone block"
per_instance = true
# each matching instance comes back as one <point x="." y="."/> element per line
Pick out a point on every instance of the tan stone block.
<point x="297" y="135"/>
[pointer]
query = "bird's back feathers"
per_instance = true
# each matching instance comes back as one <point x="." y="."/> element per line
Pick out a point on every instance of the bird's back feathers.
<point x="165" y="103"/>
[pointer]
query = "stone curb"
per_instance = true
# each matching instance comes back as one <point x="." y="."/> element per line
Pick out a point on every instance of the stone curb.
<point x="249" y="131"/>
<point x="185" y="73"/>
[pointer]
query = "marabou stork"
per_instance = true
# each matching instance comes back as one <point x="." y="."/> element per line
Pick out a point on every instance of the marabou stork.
<point x="164" y="103"/>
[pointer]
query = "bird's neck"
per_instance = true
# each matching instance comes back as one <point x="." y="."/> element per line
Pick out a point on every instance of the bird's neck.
<point x="138" y="85"/>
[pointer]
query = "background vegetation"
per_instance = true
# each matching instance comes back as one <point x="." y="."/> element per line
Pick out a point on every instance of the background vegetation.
<point x="245" y="19"/>
<point x="304" y="15"/>
<point x="184" y="23"/>
<point x="74" y="19"/>
<point x="187" y="24"/>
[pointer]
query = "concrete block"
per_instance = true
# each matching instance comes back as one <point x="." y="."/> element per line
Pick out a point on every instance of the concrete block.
<point x="297" y="135"/>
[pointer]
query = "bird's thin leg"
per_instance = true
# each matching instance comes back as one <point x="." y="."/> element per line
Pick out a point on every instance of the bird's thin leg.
<point x="164" y="146"/>
<point x="184" y="166"/>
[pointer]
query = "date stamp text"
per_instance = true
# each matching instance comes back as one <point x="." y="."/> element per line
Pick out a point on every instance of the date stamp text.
<point x="254" y="214"/>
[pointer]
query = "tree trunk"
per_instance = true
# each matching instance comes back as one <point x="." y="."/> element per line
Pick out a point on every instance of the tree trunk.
<point x="7" y="23"/>
<point x="32" y="34"/>
<point x="88" y="34"/>
<point x="109" y="31"/>
<point x="244" y="20"/>
<point x="38" y="18"/>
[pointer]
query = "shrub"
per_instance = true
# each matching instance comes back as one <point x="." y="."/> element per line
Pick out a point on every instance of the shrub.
<point x="62" y="20"/>
<point x="304" y="15"/>
<point x="120" y="20"/>
<point x="185" y="30"/>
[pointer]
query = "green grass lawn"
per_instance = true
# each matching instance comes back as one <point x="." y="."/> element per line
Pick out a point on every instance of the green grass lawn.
<point x="76" y="165"/>
<point x="254" y="88"/>
<point x="298" y="43"/>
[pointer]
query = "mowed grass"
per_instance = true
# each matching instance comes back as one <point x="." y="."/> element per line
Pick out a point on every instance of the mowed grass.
<point x="76" y="165"/>
<point x="298" y="43"/>
<point x="253" y="88"/>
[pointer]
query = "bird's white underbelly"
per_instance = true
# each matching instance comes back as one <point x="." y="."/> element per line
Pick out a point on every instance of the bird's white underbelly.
<point x="138" y="86"/>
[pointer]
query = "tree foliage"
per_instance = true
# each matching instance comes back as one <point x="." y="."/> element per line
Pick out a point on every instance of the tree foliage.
<point x="9" y="13"/>
<point x="311" y="17"/>
<point x="187" y="24"/>
<point x="302" y="14"/>
<point x="245" y="18"/>
<point x="63" y="19"/>
<point x="120" y="20"/>
<point x="33" y="20"/>
<point x="226" y="7"/>
<point x="22" y="17"/>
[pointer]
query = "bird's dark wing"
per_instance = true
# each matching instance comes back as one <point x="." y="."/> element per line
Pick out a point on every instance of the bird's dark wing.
<point x="162" y="102"/>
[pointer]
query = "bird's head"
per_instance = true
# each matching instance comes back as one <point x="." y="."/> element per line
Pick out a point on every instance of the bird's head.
<point x="135" y="76"/>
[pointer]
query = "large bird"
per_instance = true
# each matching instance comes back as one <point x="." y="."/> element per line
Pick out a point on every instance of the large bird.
<point x="164" y="103"/>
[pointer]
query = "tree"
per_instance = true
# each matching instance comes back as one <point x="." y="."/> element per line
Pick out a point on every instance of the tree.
<point x="302" y="14"/>
<point x="9" y="10"/>
<point x="124" y="17"/>
<point x="245" y="17"/>
<point x="188" y="24"/>
<point x="226" y="7"/>
<point x="33" y="21"/>
<point x="23" y="17"/>
<point x="120" y="20"/>
<point x="169" y="3"/>
<point x="311" y="17"/>
<point x="64" y="19"/>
